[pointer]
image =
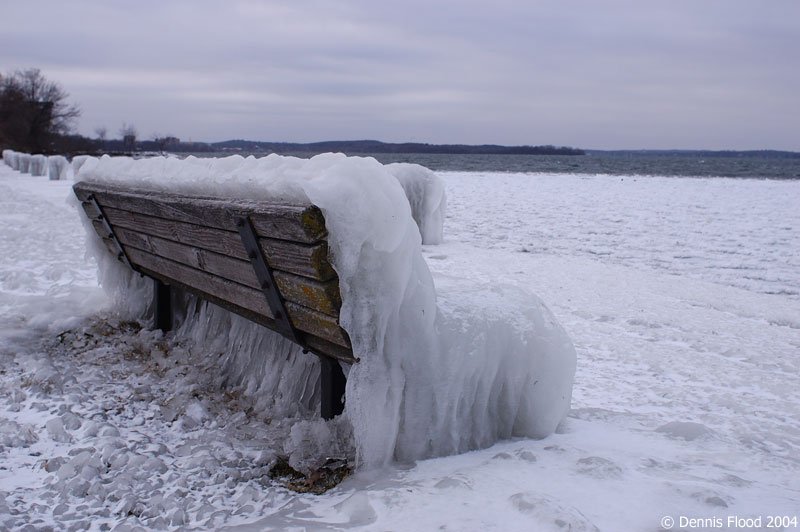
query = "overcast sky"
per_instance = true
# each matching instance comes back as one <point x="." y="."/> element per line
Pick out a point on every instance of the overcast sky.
<point x="593" y="74"/>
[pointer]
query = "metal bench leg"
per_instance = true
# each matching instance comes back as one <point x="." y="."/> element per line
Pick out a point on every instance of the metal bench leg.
<point x="162" y="304"/>
<point x="332" y="384"/>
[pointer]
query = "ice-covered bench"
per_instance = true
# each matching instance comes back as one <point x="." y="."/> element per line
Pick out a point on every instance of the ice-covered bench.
<point x="266" y="261"/>
<point x="442" y="367"/>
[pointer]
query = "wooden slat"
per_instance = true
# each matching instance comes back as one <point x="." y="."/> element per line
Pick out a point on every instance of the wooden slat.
<point x="344" y="354"/>
<point x="211" y="262"/>
<point x="284" y="221"/>
<point x="301" y="259"/>
<point x="321" y="296"/>
<point x="303" y="318"/>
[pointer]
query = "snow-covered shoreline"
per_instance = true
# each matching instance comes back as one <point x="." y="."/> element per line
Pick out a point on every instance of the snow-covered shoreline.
<point x="685" y="399"/>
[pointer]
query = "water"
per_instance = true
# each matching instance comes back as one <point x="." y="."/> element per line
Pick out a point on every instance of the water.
<point x="594" y="163"/>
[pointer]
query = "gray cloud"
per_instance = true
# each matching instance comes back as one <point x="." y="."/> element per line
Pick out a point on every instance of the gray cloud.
<point x="614" y="74"/>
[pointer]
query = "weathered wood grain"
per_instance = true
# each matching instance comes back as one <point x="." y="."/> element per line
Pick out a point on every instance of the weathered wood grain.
<point x="284" y="221"/>
<point x="303" y="318"/>
<point x="322" y="296"/>
<point x="308" y="260"/>
<point x="191" y="241"/>
<point x="315" y="343"/>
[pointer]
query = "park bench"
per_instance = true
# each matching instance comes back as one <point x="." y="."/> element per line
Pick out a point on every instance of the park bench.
<point x="263" y="260"/>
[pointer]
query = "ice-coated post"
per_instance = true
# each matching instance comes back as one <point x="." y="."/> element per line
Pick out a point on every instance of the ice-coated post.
<point x="162" y="305"/>
<point x="332" y="384"/>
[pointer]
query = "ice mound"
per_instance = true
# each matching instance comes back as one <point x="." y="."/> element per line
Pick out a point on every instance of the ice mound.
<point x="38" y="165"/>
<point x="8" y="157"/>
<point x="78" y="161"/>
<point x="432" y="380"/>
<point x="24" y="164"/>
<point x="12" y="158"/>
<point x="58" y="167"/>
<point x="426" y="197"/>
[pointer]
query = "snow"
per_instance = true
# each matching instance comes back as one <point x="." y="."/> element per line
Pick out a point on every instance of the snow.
<point x="684" y="313"/>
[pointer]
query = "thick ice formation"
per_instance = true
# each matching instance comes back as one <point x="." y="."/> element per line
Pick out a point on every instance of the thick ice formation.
<point x="24" y="164"/>
<point x="8" y="157"/>
<point x="58" y="167"/>
<point x="78" y="161"/>
<point x="38" y="165"/>
<point x="426" y="197"/>
<point x="487" y="363"/>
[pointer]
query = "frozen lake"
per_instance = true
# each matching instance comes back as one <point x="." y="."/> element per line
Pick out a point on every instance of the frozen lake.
<point x="680" y="295"/>
<point x="738" y="232"/>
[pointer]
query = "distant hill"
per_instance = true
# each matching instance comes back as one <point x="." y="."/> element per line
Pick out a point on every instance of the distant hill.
<point x="708" y="154"/>
<point x="376" y="146"/>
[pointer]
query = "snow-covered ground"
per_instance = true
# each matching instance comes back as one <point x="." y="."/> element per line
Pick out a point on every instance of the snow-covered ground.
<point x="680" y="295"/>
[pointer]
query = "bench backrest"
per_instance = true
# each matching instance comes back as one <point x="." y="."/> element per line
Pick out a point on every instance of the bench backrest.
<point x="193" y="242"/>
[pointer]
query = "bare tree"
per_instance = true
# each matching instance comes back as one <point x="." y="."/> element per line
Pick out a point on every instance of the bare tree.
<point x="33" y="110"/>
<point x="101" y="133"/>
<point x="128" y="134"/>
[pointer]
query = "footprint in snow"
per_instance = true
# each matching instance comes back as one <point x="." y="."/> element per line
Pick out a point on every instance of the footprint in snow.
<point x="548" y="512"/>
<point x="684" y="430"/>
<point x="453" y="482"/>
<point x="599" y="467"/>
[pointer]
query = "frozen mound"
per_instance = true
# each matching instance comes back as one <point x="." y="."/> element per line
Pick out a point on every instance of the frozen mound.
<point x="24" y="163"/>
<point x="432" y="380"/>
<point x="8" y="156"/>
<point x="426" y="197"/>
<point x="38" y="166"/>
<point x="15" y="158"/>
<point x="58" y="167"/>
<point x="78" y="161"/>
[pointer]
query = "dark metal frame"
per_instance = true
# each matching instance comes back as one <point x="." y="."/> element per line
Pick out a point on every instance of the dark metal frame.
<point x="162" y="294"/>
<point x="162" y="305"/>
<point x="332" y="379"/>
<point x="111" y="234"/>
<point x="266" y="280"/>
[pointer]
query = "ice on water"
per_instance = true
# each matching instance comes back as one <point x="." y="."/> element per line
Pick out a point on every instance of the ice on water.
<point x="432" y="379"/>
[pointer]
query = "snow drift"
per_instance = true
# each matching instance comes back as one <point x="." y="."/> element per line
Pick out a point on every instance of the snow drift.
<point x="487" y="363"/>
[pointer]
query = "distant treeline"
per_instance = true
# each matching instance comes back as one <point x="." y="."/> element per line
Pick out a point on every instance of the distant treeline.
<point x="376" y="146"/>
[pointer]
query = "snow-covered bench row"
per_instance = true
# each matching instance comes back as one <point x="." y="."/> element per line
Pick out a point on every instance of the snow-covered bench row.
<point x="54" y="166"/>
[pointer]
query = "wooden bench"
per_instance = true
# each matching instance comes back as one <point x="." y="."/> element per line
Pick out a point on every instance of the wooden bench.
<point x="266" y="261"/>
